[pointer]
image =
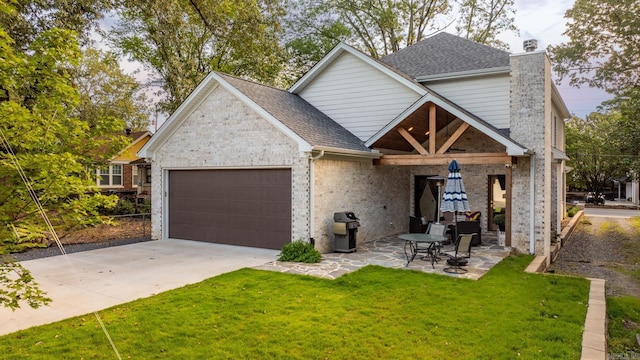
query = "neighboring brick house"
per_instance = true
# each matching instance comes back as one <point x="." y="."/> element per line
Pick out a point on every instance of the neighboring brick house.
<point x="127" y="174"/>
<point x="247" y="164"/>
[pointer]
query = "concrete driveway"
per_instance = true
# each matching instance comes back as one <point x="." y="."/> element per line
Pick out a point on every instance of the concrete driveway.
<point x="89" y="281"/>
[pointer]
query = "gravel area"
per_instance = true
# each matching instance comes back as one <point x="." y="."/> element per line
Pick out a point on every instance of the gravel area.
<point x="603" y="248"/>
<point x="38" y="253"/>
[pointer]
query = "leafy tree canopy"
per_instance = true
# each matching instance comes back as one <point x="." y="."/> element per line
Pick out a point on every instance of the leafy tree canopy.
<point x="604" y="44"/>
<point x="37" y="122"/>
<point x="380" y="28"/>
<point x="29" y="18"/>
<point x="105" y="91"/>
<point x="183" y="40"/>
<point x="596" y="151"/>
<point x="483" y="20"/>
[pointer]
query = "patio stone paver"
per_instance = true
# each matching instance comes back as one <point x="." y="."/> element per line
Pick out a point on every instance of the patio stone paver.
<point x="389" y="252"/>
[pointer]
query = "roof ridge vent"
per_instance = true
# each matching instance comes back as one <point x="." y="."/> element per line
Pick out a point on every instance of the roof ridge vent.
<point x="530" y="45"/>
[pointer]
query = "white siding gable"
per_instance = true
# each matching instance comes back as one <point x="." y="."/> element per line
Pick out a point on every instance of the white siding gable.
<point x="358" y="96"/>
<point x="486" y="97"/>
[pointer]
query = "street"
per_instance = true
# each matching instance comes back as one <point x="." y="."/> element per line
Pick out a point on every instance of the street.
<point x="621" y="213"/>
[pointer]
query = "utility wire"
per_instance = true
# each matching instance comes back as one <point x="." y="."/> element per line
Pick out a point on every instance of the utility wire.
<point x="43" y="213"/>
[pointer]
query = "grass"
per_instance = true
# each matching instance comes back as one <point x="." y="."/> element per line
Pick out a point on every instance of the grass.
<point x="623" y="315"/>
<point x="372" y="313"/>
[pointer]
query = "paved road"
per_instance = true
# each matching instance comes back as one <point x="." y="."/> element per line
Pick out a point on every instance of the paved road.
<point x="611" y="213"/>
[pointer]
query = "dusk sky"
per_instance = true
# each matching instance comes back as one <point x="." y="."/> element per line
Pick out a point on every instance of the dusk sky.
<point x="544" y="21"/>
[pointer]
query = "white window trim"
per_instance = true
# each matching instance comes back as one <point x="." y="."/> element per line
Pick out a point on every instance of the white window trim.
<point x="111" y="174"/>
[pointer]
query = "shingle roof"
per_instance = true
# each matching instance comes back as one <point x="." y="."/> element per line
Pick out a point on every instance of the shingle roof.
<point x="298" y="115"/>
<point x="445" y="53"/>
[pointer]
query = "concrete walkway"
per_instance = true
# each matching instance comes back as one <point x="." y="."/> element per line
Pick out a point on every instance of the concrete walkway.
<point x="89" y="281"/>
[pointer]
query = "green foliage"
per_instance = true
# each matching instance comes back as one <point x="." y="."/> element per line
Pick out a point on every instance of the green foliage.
<point x="17" y="285"/>
<point x="300" y="251"/>
<point x="181" y="41"/>
<point x="123" y="207"/>
<point x="623" y="315"/>
<point x="603" y="49"/>
<point x="572" y="210"/>
<point x="507" y="314"/>
<point x="499" y="219"/>
<point x="42" y="138"/>
<point x="595" y="150"/>
<point x="105" y="91"/>
<point x="482" y="21"/>
<point x="378" y="28"/>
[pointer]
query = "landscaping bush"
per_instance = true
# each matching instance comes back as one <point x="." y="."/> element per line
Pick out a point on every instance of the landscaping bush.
<point x="499" y="220"/>
<point x="123" y="207"/>
<point x="572" y="210"/>
<point x="300" y="251"/>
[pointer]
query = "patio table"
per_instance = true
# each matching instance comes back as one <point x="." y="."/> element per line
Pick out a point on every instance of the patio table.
<point x="411" y="242"/>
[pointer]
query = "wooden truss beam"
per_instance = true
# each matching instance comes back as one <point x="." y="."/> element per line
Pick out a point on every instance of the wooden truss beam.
<point x="411" y="140"/>
<point x="455" y="136"/>
<point x="445" y="159"/>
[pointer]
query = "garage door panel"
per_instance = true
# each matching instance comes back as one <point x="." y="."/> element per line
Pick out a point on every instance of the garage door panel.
<point x="242" y="207"/>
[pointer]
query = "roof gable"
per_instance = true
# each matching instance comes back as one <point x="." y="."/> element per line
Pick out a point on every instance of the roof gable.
<point x="445" y="53"/>
<point x="129" y="153"/>
<point x="289" y="113"/>
<point x="298" y="115"/>
<point x="513" y="148"/>
<point x="335" y="54"/>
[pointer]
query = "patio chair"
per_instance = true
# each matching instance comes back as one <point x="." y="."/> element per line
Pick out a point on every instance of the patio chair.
<point x="462" y="253"/>
<point x="438" y="229"/>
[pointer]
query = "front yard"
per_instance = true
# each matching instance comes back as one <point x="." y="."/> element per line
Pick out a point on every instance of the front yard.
<point x="372" y="313"/>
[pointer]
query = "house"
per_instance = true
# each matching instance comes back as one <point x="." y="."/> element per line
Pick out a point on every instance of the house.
<point x="247" y="164"/>
<point x="127" y="174"/>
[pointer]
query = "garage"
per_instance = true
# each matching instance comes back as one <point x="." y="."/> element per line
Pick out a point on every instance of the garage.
<point x="246" y="207"/>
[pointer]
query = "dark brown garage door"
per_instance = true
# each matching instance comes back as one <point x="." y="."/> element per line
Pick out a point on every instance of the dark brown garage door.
<point x="238" y="207"/>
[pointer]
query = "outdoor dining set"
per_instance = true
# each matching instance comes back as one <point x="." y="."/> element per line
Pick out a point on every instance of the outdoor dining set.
<point x="430" y="243"/>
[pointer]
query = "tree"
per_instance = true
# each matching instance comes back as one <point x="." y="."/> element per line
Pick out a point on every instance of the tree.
<point x="29" y="18"/>
<point x="595" y="151"/>
<point x="105" y="91"/>
<point x="183" y="40"/>
<point x="483" y="20"/>
<point x="377" y="27"/>
<point x="44" y="163"/>
<point x="604" y="45"/>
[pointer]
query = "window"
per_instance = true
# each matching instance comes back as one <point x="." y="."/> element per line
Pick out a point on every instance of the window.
<point x="111" y="176"/>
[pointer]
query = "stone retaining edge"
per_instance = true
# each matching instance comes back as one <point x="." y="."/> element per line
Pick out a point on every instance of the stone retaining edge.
<point x="594" y="337"/>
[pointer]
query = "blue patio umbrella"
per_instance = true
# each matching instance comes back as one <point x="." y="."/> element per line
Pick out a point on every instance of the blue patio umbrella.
<point x="455" y="197"/>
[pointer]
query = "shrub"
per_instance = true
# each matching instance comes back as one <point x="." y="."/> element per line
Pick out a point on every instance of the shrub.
<point x="499" y="220"/>
<point x="572" y="210"/>
<point x="123" y="207"/>
<point x="300" y="251"/>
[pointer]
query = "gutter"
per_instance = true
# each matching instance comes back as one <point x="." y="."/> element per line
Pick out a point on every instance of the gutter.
<point x="532" y="214"/>
<point x="312" y="195"/>
<point x="463" y="74"/>
<point x="373" y="154"/>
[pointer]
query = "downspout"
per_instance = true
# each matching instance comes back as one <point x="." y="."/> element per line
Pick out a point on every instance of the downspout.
<point x="532" y="206"/>
<point x="311" y="195"/>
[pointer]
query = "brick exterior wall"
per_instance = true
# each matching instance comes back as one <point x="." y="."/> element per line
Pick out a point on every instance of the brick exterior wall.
<point x="531" y="126"/>
<point x="378" y="195"/>
<point x="222" y="132"/>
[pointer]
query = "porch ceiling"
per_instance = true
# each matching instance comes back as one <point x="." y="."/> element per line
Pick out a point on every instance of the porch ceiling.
<point x="414" y="142"/>
<point x="416" y="124"/>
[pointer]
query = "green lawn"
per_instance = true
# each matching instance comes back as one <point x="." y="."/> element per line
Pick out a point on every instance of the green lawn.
<point x="374" y="313"/>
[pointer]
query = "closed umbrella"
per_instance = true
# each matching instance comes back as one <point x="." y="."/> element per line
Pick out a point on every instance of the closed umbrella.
<point x="455" y="197"/>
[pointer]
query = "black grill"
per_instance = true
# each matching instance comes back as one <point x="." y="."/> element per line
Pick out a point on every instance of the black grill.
<point x="345" y="227"/>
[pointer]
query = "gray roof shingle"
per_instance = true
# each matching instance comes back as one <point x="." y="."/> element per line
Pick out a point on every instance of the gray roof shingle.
<point x="445" y="53"/>
<point x="306" y="121"/>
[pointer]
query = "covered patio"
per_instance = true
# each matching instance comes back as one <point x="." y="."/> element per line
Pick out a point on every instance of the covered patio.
<point x="389" y="252"/>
